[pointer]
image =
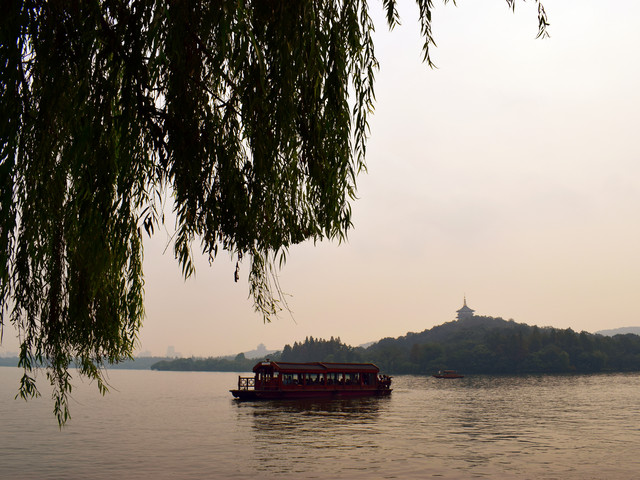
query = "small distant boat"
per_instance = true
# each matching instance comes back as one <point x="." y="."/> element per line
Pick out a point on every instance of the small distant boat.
<point x="448" y="374"/>
<point x="282" y="380"/>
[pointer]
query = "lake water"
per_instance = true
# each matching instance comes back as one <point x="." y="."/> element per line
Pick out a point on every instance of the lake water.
<point x="185" y="425"/>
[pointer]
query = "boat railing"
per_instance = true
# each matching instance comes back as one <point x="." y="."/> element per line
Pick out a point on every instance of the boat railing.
<point x="246" y="383"/>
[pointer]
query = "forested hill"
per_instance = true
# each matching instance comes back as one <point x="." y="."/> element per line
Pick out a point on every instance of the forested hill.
<point x="474" y="345"/>
<point x="493" y="345"/>
<point x="473" y="328"/>
<point x="483" y="345"/>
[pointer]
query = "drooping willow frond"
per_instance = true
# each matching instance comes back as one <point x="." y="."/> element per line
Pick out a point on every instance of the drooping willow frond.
<point x="252" y="114"/>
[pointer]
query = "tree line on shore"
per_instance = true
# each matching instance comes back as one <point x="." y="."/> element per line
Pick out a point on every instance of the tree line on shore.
<point x="476" y="345"/>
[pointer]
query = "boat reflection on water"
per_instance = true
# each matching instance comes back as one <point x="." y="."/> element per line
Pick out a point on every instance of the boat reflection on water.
<point x="275" y="417"/>
<point x="286" y="432"/>
<point x="272" y="413"/>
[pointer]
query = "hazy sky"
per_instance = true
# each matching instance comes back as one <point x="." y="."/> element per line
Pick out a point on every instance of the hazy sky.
<point x="511" y="175"/>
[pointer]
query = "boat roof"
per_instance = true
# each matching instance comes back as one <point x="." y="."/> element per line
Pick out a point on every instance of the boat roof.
<point x="317" y="367"/>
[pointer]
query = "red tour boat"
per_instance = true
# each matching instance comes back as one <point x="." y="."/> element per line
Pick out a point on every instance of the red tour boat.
<point x="280" y="380"/>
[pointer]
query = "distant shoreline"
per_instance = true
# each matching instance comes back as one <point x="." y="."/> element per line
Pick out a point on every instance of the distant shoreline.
<point x="141" y="363"/>
<point x="474" y="346"/>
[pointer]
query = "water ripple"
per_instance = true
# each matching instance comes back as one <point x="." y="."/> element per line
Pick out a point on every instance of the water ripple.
<point x="165" y="425"/>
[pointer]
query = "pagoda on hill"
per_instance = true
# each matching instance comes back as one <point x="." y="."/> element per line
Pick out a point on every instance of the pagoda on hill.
<point x="465" y="312"/>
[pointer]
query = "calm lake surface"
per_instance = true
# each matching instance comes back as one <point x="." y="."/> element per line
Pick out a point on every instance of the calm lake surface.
<point x="161" y="425"/>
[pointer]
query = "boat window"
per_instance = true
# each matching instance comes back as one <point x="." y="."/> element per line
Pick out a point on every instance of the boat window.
<point x="352" y="378"/>
<point x="262" y="376"/>
<point x="291" y="379"/>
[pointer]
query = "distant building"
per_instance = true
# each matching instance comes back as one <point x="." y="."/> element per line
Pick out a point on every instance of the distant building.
<point x="260" y="352"/>
<point x="171" y="352"/>
<point x="465" y="312"/>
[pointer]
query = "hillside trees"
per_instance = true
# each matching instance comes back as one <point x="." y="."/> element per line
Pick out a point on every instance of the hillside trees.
<point x="492" y="346"/>
<point x="319" y="350"/>
<point x="237" y="364"/>
<point x="508" y="349"/>
<point x="251" y="116"/>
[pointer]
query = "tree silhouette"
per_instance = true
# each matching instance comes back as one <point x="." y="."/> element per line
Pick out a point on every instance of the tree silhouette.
<point x="251" y="116"/>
